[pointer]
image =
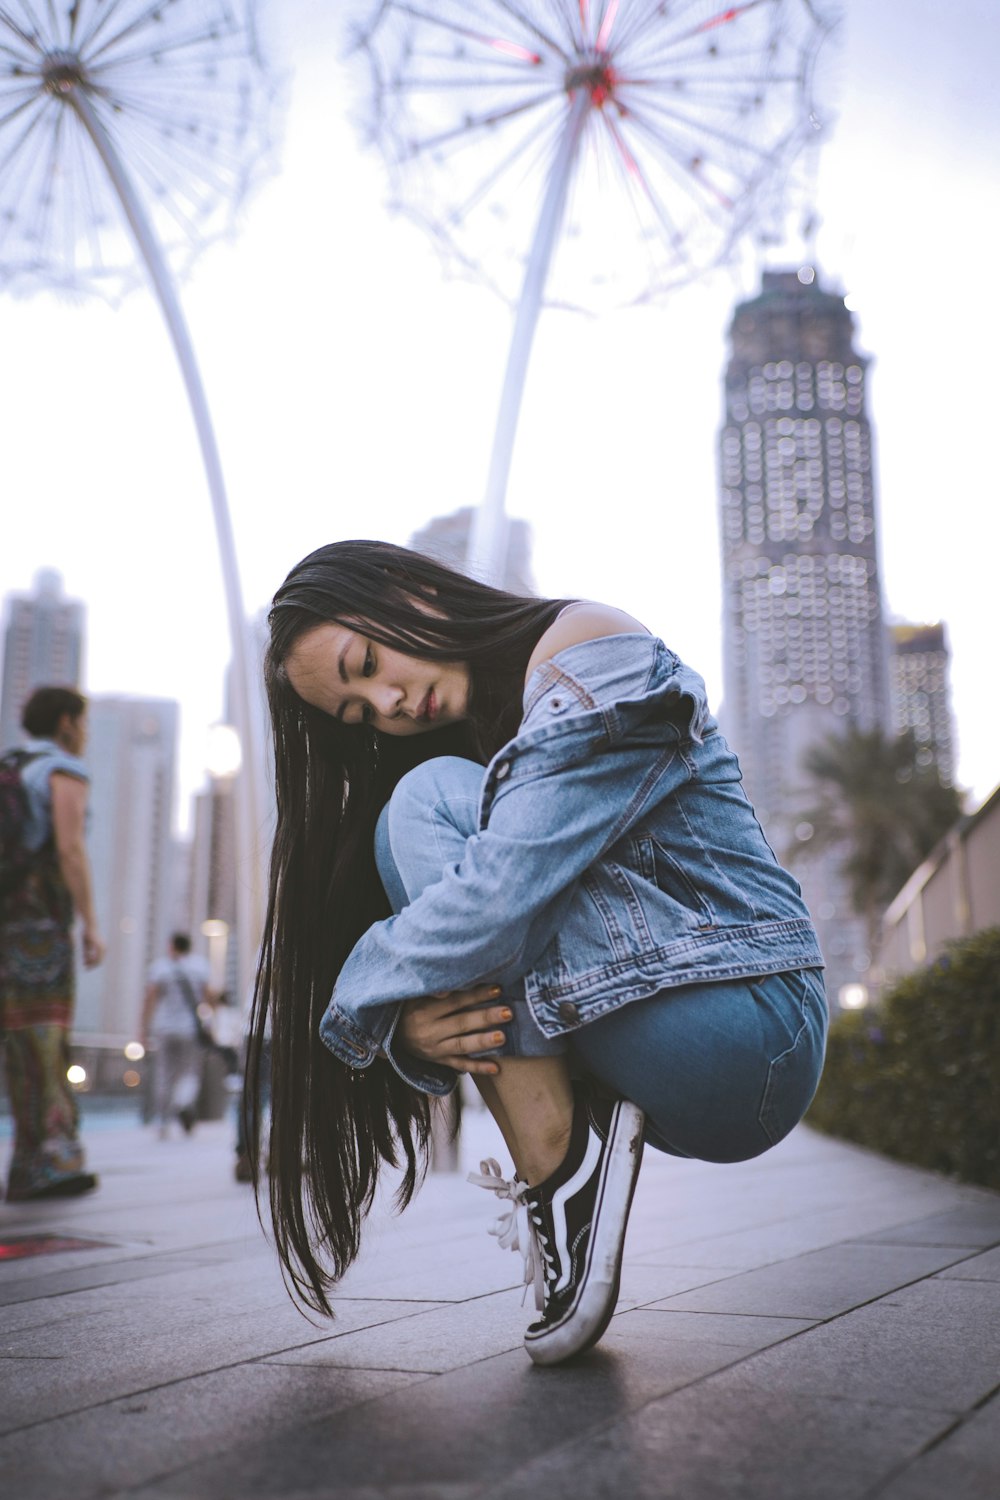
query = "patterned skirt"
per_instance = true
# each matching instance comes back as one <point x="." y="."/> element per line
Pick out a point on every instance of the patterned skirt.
<point x="36" y="951"/>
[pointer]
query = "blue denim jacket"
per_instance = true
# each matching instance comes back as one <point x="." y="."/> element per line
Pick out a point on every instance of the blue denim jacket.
<point x="617" y="856"/>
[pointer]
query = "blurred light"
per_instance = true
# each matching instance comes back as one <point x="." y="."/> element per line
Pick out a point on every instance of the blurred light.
<point x="223" y="756"/>
<point x="134" y="1051"/>
<point x="76" y="1075"/>
<point x="804" y="832"/>
<point x="853" y="996"/>
<point x="130" y="1078"/>
<point x="215" y="928"/>
<point x="851" y="302"/>
<point x="806" y="275"/>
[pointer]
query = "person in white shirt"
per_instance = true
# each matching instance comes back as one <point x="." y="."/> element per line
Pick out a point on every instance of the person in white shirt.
<point x="177" y="990"/>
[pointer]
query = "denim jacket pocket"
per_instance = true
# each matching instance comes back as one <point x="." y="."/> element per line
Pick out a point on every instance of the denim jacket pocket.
<point x="674" y="882"/>
<point x="620" y="908"/>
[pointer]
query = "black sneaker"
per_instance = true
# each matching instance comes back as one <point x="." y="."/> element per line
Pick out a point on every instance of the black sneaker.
<point x="579" y="1216"/>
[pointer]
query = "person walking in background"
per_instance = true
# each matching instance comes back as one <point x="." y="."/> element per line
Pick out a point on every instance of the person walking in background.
<point x="177" y="986"/>
<point x="36" y="949"/>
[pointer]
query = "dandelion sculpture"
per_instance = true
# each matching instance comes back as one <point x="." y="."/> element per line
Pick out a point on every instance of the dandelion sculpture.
<point x="662" y="131"/>
<point x="131" y="125"/>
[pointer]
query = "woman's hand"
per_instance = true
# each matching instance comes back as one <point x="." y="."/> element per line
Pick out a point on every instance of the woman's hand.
<point x="441" y="1029"/>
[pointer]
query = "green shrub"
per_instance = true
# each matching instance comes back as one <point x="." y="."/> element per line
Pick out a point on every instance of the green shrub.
<point x="919" y="1078"/>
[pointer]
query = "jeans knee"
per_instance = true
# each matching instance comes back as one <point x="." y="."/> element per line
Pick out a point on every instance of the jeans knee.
<point x="434" y="782"/>
<point x="444" y="790"/>
<point x="433" y="810"/>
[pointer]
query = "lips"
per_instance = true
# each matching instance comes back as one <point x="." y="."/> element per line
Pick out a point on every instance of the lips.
<point x="427" y="712"/>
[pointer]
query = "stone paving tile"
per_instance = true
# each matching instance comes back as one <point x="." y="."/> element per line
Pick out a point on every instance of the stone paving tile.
<point x="819" y="1285"/>
<point x="776" y="1239"/>
<point x="224" y="1217"/>
<point x="964" y="1466"/>
<point x="711" y="1443"/>
<point x="643" y="1285"/>
<point x="735" y="1330"/>
<point x="970" y="1224"/>
<point x="60" y="1279"/>
<point x="438" y="1339"/>
<point x="123" y="1443"/>
<point x="158" y="1301"/>
<point x="932" y="1345"/>
<point x="472" y="1266"/>
<point x="985" y="1267"/>
<point x="455" y="1430"/>
<point x="74" y="1363"/>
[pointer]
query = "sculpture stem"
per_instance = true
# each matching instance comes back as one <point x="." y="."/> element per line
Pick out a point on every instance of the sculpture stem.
<point x="249" y="820"/>
<point x="487" y="553"/>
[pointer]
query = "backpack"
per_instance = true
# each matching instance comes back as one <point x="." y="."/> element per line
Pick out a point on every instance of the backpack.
<point x="15" y="859"/>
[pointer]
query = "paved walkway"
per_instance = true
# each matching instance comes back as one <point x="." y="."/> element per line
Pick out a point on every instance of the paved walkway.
<point x="819" y="1323"/>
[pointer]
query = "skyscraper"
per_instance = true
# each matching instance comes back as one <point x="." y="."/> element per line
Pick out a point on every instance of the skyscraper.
<point x="921" y="699"/>
<point x="43" y="645"/>
<point x="446" y="538"/>
<point x="131" y="755"/>
<point x="803" y="636"/>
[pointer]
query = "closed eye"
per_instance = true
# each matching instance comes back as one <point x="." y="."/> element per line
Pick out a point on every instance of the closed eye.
<point x="369" y="663"/>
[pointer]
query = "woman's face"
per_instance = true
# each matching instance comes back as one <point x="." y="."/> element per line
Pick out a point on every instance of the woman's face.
<point x="345" y="674"/>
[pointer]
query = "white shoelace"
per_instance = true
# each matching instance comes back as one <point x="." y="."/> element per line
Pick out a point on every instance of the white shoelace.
<point x="517" y="1229"/>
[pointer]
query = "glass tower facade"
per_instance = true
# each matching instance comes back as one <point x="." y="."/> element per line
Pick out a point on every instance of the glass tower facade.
<point x="921" y="698"/>
<point x="804" y="642"/>
<point x="43" y="647"/>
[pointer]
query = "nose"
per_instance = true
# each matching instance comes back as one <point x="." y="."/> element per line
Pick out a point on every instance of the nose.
<point x="387" y="701"/>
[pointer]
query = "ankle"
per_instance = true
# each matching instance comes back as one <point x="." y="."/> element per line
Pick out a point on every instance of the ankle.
<point x="546" y="1154"/>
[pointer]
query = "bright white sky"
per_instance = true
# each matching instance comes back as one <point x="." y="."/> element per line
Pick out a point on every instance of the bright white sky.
<point x="354" y="390"/>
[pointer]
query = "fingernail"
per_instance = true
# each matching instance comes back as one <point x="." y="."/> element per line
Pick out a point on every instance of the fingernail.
<point x="495" y="991"/>
<point x="506" y="1015"/>
<point x="498" y="1036"/>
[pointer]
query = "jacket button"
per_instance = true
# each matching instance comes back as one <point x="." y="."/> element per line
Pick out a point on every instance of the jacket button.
<point x="568" y="1011"/>
<point x="502" y="770"/>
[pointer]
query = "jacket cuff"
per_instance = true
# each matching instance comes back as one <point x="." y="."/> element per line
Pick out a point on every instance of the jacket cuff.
<point x="427" y="1077"/>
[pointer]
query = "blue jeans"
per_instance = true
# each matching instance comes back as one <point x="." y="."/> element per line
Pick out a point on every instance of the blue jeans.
<point x="722" y="1070"/>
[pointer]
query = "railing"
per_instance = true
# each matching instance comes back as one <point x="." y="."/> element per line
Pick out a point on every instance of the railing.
<point x="954" y="893"/>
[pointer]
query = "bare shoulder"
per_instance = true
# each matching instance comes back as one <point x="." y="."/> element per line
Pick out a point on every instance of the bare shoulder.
<point x="585" y="621"/>
<point x="64" y="783"/>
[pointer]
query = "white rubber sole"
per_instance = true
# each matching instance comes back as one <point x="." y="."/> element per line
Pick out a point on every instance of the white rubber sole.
<point x="587" y="1318"/>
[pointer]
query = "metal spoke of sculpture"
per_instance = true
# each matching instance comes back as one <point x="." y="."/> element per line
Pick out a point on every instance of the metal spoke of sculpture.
<point x="125" y="115"/>
<point x="661" y="131"/>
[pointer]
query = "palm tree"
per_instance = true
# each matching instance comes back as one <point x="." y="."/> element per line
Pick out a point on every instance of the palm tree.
<point x="881" y="803"/>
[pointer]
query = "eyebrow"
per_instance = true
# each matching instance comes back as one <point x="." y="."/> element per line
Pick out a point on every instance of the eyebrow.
<point x="341" y="668"/>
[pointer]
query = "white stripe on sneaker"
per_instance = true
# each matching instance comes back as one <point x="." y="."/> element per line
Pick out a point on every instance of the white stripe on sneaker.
<point x="559" y="1200"/>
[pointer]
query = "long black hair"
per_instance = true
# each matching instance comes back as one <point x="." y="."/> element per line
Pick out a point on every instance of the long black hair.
<point x="333" y="1127"/>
